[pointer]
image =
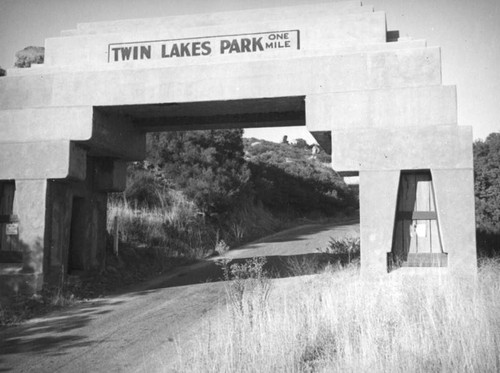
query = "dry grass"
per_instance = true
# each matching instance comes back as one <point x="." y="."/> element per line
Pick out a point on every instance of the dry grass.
<point x="180" y="213"/>
<point x="335" y="322"/>
<point x="177" y="228"/>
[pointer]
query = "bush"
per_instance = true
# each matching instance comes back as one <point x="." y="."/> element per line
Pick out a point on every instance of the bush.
<point x="343" y="248"/>
<point x="303" y="265"/>
<point x="221" y="247"/>
<point x="30" y="55"/>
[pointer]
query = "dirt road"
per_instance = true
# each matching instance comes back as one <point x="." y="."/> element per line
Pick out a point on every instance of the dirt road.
<point x="121" y="333"/>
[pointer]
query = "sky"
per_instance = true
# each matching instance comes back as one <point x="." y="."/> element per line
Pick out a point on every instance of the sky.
<point x="468" y="32"/>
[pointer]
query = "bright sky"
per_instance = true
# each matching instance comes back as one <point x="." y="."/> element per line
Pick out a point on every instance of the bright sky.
<point x="468" y="32"/>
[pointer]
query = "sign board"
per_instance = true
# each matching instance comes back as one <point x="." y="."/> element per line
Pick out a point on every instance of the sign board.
<point x="12" y="229"/>
<point x="205" y="46"/>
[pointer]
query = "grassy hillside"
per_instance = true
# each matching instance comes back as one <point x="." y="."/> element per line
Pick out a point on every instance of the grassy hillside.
<point x="289" y="178"/>
<point x="336" y="322"/>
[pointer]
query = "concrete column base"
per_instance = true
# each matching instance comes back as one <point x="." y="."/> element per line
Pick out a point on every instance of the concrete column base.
<point x="454" y="190"/>
<point x="378" y="191"/>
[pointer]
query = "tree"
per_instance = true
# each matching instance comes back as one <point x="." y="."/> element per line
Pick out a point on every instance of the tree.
<point x="30" y="55"/>
<point x="487" y="183"/>
<point x="487" y="193"/>
<point x="208" y="165"/>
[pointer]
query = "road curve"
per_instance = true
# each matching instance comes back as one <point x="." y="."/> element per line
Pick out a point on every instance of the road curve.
<point x="120" y="333"/>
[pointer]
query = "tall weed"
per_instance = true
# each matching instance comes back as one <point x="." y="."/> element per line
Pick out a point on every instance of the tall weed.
<point x="247" y="286"/>
<point x="346" y="249"/>
<point x="178" y="229"/>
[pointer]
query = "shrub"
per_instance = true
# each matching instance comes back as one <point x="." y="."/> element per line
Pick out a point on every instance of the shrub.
<point x="221" y="247"/>
<point x="30" y="55"/>
<point x="343" y="248"/>
<point x="303" y="265"/>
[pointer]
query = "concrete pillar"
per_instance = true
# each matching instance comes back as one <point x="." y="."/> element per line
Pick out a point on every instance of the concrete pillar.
<point x="110" y="175"/>
<point x="30" y="206"/>
<point x="76" y="216"/>
<point x="59" y="198"/>
<point x="454" y="194"/>
<point x="378" y="191"/>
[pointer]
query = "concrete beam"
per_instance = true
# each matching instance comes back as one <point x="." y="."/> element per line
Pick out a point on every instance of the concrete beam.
<point x="225" y="81"/>
<point x="242" y="120"/>
<point x="436" y="147"/>
<point x="285" y="56"/>
<point x="115" y="135"/>
<point x="46" y="124"/>
<point x="110" y="175"/>
<point x="104" y="134"/>
<point x="402" y="107"/>
<point x="21" y="92"/>
<point x="42" y="160"/>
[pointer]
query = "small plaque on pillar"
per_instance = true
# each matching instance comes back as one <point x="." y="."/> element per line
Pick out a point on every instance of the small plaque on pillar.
<point x="12" y="229"/>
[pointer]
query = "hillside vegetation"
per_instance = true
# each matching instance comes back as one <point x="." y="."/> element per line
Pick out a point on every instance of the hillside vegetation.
<point x="198" y="191"/>
<point x="487" y="192"/>
<point x="288" y="178"/>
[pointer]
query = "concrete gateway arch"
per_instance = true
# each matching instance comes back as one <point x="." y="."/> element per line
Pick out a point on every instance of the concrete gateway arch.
<point x="374" y="100"/>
